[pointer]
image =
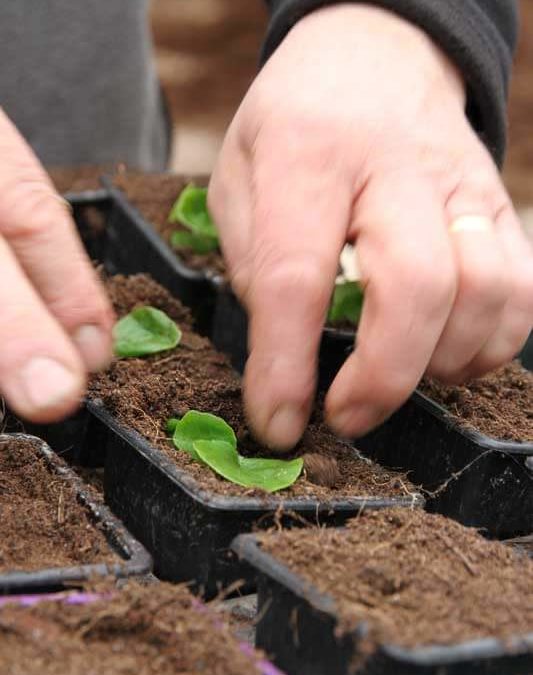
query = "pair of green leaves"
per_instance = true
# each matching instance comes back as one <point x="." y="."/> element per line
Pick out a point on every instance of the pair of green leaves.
<point x="145" y="330"/>
<point x="190" y="210"/>
<point x="209" y="439"/>
<point x="346" y="303"/>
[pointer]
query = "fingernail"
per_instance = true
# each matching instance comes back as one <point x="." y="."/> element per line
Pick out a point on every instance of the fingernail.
<point x="47" y="383"/>
<point x="355" y="421"/>
<point x="285" y="427"/>
<point x="94" y="346"/>
<point x="340" y="422"/>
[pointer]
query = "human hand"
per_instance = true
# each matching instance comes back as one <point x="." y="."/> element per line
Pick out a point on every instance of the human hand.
<point x="355" y="129"/>
<point x="55" y="321"/>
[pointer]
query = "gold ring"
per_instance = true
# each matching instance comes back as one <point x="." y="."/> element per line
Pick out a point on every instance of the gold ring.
<point x="471" y="224"/>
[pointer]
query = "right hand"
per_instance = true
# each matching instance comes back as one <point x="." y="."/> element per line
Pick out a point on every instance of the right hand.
<point x="355" y="129"/>
<point x="55" y="319"/>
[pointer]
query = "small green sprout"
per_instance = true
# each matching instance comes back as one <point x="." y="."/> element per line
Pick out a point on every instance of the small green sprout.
<point x="346" y="303"/>
<point x="209" y="439"/>
<point x="190" y="211"/>
<point x="144" y="331"/>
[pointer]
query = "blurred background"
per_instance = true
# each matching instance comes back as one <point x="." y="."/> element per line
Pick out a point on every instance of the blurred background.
<point x="207" y="55"/>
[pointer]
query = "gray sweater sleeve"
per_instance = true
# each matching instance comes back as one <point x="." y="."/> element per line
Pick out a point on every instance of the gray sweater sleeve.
<point x="478" y="35"/>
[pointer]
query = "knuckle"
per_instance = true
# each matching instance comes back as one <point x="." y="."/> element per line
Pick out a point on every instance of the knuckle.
<point x="305" y="135"/>
<point x="279" y="273"/>
<point x="393" y="390"/>
<point x="29" y="210"/>
<point x="420" y="276"/>
<point x="487" y="284"/>
<point x="479" y="190"/>
<point x="78" y="306"/>
<point x="446" y="371"/>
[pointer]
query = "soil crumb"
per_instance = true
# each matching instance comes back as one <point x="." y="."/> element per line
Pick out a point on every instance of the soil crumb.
<point x="42" y="524"/>
<point x="144" y="393"/>
<point x="417" y="579"/>
<point x="321" y="470"/>
<point x="153" y="195"/>
<point x="499" y="405"/>
<point x="154" y="630"/>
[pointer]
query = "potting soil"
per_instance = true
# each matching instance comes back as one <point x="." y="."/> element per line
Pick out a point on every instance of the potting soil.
<point x="499" y="405"/>
<point x="42" y="524"/>
<point x="417" y="579"/>
<point x="155" y="630"/>
<point x="154" y="195"/>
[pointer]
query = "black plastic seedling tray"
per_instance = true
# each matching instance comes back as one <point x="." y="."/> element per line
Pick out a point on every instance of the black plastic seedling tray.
<point x="475" y="479"/>
<point x="136" y="561"/>
<point x="261" y="666"/>
<point x="216" y="310"/>
<point x="143" y="250"/>
<point x="187" y="529"/>
<point x="297" y="628"/>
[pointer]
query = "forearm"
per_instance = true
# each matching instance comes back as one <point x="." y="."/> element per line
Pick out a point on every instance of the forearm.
<point x="478" y="35"/>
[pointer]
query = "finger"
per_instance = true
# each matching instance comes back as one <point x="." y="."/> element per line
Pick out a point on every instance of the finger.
<point x="408" y="270"/>
<point x="517" y="318"/>
<point x="42" y="235"/>
<point x="301" y="214"/>
<point x="41" y="374"/>
<point x="229" y="200"/>
<point x="484" y="287"/>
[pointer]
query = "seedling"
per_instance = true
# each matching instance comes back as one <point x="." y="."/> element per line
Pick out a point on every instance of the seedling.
<point x="190" y="210"/>
<point x="210" y="440"/>
<point x="144" y="331"/>
<point x="346" y="303"/>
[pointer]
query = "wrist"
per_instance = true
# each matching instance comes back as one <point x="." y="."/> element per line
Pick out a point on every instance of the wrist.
<point x="361" y="25"/>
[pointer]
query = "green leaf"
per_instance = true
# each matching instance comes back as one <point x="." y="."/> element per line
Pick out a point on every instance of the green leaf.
<point x="171" y="424"/>
<point x="267" y="474"/>
<point x="198" y="426"/>
<point x="208" y="439"/>
<point x="199" y="244"/>
<point x="144" y="331"/>
<point x="190" y="209"/>
<point x="347" y="303"/>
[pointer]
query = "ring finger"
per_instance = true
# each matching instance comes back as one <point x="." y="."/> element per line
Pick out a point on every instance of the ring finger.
<point x="517" y="318"/>
<point x="483" y="289"/>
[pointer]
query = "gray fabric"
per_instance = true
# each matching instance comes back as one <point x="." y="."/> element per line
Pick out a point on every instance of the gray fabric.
<point x="78" y="79"/>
